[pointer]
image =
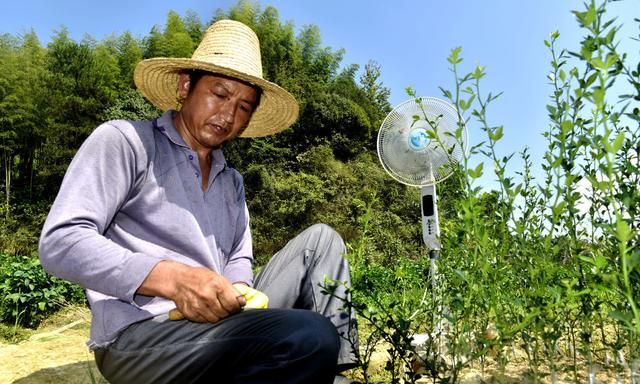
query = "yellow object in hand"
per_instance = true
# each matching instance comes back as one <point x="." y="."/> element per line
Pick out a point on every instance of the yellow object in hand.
<point x="255" y="298"/>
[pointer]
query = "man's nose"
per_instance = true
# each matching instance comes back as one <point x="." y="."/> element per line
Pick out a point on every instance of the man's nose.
<point x="228" y="112"/>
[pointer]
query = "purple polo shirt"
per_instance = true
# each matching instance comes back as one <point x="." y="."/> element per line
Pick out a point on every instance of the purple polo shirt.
<point x="131" y="198"/>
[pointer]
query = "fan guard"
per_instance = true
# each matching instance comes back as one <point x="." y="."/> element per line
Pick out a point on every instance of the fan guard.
<point x="405" y="150"/>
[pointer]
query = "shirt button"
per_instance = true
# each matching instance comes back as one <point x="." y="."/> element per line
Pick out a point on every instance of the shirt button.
<point x="190" y="157"/>
<point x="197" y="174"/>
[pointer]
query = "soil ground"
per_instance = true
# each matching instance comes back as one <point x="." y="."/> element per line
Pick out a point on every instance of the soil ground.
<point x="57" y="353"/>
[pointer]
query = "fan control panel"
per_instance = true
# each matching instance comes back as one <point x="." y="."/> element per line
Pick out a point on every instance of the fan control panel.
<point x="430" y="225"/>
<point x="427" y="205"/>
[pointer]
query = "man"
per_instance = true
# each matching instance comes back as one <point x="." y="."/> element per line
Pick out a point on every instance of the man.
<point x="149" y="218"/>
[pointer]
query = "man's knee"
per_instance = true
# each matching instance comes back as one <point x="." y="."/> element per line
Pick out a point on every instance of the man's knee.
<point x="317" y="336"/>
<point x="305" y="348"/>
<point x="325" y="233"/>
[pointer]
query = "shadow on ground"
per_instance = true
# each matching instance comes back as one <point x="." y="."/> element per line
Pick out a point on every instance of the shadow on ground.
<point x="83" y="372"/>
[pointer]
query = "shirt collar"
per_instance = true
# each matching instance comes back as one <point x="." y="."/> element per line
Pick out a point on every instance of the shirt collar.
<point x="165" y="125"/>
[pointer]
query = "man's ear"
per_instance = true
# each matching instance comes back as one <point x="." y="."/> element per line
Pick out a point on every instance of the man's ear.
<point x="184" y="83"/>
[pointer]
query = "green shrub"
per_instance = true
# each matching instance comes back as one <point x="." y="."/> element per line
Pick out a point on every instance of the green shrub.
<point x="20" y="227"/>
<point x="528" y="266"/>
<point x="29" y="294"/>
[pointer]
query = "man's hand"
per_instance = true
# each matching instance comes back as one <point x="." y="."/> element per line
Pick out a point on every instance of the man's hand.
<point x="200" y="294"/>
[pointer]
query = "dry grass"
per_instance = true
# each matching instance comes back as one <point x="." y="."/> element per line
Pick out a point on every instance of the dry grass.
<point x="55" y="353"/>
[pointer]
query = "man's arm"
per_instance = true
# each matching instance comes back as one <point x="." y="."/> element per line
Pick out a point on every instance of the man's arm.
<point x="98" y="181"/>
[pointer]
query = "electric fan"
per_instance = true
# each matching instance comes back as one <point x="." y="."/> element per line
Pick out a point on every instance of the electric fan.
<point x="420" y="143"/>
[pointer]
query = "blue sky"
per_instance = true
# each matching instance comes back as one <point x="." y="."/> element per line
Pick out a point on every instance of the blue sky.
<point x="410" y="39"/>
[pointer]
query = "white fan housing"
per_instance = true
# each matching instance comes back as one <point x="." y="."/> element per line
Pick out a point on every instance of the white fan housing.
<point x="417" y="146"/>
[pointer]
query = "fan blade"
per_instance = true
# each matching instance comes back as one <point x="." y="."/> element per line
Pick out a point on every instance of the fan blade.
<point x="417" y="142"/>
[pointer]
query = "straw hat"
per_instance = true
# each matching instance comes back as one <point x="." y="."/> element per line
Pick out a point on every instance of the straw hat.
<point x="228" y="48"/>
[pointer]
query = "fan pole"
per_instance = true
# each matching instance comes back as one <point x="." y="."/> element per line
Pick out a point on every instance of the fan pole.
<point x="431" y="236"/>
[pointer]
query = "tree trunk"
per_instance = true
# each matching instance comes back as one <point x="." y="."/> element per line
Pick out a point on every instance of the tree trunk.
<point x="29" y="162"/>
<point x="7" y="181"/>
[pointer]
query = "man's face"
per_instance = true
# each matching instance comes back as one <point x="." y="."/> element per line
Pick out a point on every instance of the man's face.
<point x="217" y="110"/>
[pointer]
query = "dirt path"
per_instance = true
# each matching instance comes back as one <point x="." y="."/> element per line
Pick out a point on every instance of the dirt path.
<point x="55" y="353"/>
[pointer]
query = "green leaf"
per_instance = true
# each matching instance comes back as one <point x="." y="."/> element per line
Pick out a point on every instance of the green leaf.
<point x="478" y="73"/>
<point x="587" y="259"/>
<point x="610" y="36"/>
<point x="563" y="75"/>
<point x="612" y="58"/>
<point x="598" y="63"/>
<point x="617" y="143"/>
<point x="601" y="262"/>
<point x="586" y="53"/>
<point x="590" y="16"/>
<point x="445" y="92"/>
<point x="13" y="297"/>
<point x="566" y="126"/>
<point x="476" y="173"/>
<point x="495" y="134"/>
<point x="454" y="56"/>
<point x="622" y="317"/>
<point x="598" y="97"/>
<point x="623" y="231"/>
<point x="591" y="79"/>
<point x="471" y="100"/>
<point x="614" y="146"/>
<point x="558" y="208"/>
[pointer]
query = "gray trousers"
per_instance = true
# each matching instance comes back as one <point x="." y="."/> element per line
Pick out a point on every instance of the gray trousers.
<point x="304" y="336"/>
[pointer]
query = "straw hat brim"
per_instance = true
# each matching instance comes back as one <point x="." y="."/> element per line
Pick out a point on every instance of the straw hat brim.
<point x="157" y="80"/>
